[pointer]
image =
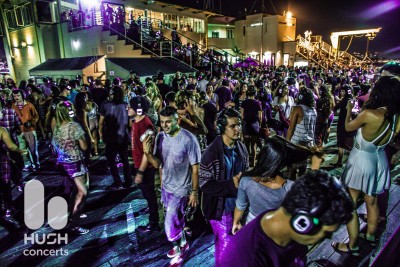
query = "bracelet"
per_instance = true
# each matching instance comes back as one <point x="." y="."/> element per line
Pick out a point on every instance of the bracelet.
<point x="140" y="172"/>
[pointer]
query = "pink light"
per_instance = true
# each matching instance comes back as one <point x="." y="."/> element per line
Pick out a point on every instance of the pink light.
<point x="380" y="9"/>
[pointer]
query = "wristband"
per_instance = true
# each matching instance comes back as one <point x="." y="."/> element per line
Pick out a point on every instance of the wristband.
<point x="140" y="172"/>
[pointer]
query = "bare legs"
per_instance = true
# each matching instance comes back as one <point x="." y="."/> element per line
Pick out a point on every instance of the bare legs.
<point x="82" y="183"/>
<point x="372" y="220"/>
<point x="250" y="142"/>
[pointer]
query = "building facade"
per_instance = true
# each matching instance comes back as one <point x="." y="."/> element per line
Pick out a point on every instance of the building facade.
<point x="36" y="31"/>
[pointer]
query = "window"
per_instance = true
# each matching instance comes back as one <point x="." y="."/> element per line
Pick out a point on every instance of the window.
<point x="229" y="33"/>
<point x="10" y="19"/>
<point x="214" y="34"/>
<point x="244" y="30"/>
<point x="19" y="16"/>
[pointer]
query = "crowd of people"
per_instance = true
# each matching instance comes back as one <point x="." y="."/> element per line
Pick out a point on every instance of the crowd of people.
<point x="237" y="141"/>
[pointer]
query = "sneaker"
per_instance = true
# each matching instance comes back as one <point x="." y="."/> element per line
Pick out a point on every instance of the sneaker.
<point x="79" y="230"/>
<point x="174" y="252"/>
<point x="149" y="228"/>
<point x="185" y="248"/>
<point x="176" y="261"/>
<point x="27" y="168"/>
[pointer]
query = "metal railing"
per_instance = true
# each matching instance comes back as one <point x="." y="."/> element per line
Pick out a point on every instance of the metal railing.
<point x="325" y="53"/>
<point x="145" y="36"/>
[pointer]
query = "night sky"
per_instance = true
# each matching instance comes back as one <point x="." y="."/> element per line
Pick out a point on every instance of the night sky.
<point x="323" y="17"/>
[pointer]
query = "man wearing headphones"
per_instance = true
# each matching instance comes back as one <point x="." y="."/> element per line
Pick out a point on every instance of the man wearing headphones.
<point x="312" y="210"/>
<point x="28" y="138"/>
<point x="177" y="154"/>
<point x="221" y="166"/>
<point x="145" y="172"/>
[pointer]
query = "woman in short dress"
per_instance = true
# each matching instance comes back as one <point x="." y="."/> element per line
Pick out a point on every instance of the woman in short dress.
<point x="69" y="142"/>
<point x="367" y="168"/>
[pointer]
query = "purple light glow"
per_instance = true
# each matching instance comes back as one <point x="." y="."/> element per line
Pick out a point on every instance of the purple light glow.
<point x="392" y="50"/>
<point x="380" y="9"/>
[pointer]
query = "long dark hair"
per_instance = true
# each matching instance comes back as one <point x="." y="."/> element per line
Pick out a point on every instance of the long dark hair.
<point x="324" y="105"/>
<point x="385" y="93"/>
<point x="306" y="97"/>
<point x="276" y="154"/>
<point x="80" y="104"/>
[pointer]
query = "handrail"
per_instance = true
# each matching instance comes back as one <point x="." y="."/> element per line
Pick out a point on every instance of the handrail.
<point x="161" y="23"/>
<point x="116" y="30"/>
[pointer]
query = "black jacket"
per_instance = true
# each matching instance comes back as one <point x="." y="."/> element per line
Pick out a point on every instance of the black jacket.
<point x="215" y="188"/>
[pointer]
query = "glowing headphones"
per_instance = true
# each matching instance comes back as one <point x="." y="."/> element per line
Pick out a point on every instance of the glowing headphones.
<point x="306" y="221"/>
<point x="139" y="109"/>
<point x="71" y="112"/>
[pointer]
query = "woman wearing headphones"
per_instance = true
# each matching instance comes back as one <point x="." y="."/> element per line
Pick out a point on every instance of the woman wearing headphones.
<point x="69" y="142"/>
<point x="367" y="169"/>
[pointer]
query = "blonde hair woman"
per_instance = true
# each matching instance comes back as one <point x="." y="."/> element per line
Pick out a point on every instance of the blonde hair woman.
<point x="69" y="142"/>
<point x="154" y="96"/>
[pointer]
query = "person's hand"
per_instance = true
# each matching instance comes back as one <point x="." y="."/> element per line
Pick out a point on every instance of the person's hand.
<point x="148" y="144"/>
<point x="236" y="179"/>
<point x="350" y="104"/>
<point x="193" y="199"/>
<point x="189" y="106"/>
<point x="138" y="178"/>
<point x="236" y="227"/>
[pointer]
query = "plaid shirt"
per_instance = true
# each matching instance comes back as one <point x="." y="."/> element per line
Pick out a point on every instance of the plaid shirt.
<point x="10" y="121"/>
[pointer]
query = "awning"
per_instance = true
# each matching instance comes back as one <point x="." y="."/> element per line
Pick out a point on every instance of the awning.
<point x="150" y="66"/>
<point x="65" y="64"/>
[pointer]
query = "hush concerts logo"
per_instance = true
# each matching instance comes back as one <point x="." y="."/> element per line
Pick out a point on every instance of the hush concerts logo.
<point x="57" y="218"/>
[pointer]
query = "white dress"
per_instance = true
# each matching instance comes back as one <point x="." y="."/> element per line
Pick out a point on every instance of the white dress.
<point x="367" y="168"/>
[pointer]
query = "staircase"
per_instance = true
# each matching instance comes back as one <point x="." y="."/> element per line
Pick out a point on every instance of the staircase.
<point x="141" y="36"/>
<point x="324" y="55"/>
<point x="148" y="36"/>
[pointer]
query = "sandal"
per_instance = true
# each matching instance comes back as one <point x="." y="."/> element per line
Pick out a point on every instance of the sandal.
<point x="349" y="251"/>
<point x="363" y="236"/>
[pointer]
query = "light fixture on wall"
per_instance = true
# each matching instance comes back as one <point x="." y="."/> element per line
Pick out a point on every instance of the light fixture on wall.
<point x="22" y="44"/>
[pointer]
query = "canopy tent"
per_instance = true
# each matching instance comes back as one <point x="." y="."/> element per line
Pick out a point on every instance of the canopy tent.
<point x="69" y="68"/>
